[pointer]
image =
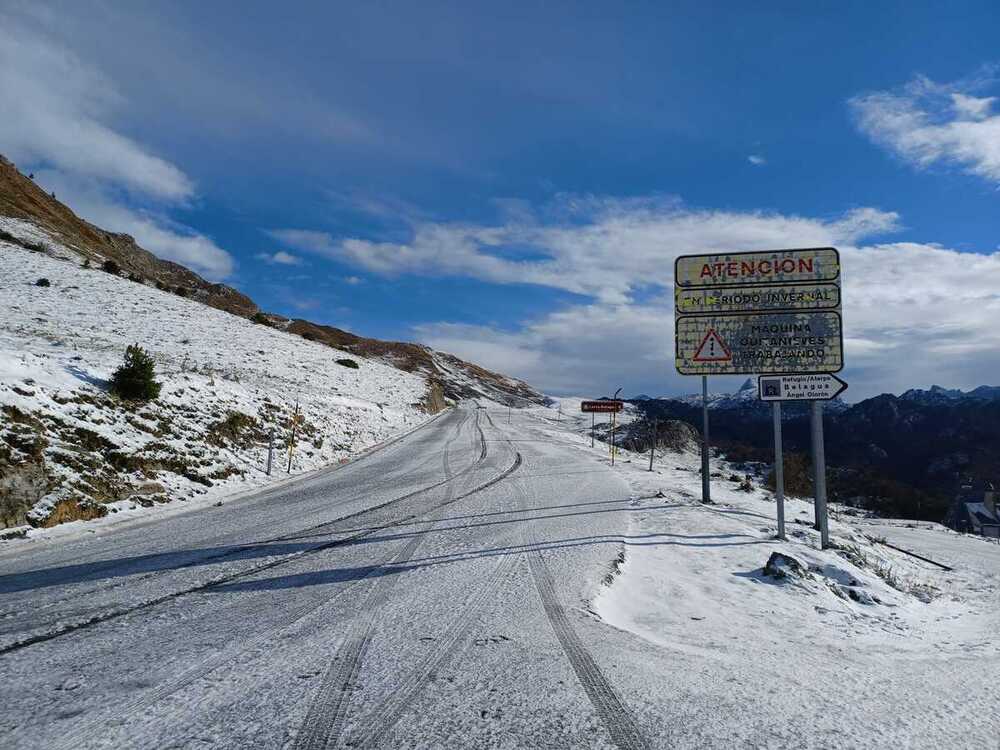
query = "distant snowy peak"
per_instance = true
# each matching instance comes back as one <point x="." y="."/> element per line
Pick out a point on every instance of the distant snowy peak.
<point x="745" y="398"/>
<point x="937" y="395"/>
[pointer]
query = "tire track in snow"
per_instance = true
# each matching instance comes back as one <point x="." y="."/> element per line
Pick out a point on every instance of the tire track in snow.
<point x="82" y="732"/>
<point x="225" y="539"/>
<point x="354" y="648"/>
<point x="384" y="717"/>
<point x="324" y="720"/>
<point x="79" y="625"/>
<point x="609" y="706"/>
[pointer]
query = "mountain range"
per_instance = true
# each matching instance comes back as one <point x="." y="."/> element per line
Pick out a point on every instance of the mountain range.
<point x="900" y="455"/>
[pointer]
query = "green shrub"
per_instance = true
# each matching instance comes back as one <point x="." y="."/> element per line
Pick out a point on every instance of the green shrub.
<point x="180" y="291"/>
<point x="111" y="267"/>
<point x="134" y="380"/>
<point x="237" y="427"/>
<point x="260" y="318"/>
<point x="348" y="363"/>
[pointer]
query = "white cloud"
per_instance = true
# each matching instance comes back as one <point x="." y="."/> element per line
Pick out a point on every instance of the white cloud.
<point x="151" y="230"/>
<point x="57" y="116"/>
<point x="756" y="160"/>
<point x="914" y="314"/>
<point x="927" y="123"/>
<point x="598" y="247"/>
<point x="281" y="258"/>
<point x="56" y="109"/>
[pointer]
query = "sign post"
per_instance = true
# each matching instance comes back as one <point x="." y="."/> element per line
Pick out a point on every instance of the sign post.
<point x="706" y="485"/>
<point x="819" y="474"/>
<point x="609" y="406"/>
<point x="779" y="471"/>
<point x="774" y="313"/>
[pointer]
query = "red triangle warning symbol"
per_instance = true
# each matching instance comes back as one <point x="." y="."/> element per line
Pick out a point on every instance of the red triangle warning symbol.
<point x="712" y="349"/>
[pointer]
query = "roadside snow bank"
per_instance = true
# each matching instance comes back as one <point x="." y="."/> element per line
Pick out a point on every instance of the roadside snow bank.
<point x="686" y="563"/>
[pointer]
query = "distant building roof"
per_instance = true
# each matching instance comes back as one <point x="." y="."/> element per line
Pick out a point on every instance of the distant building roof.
<point x="981" y="515"/>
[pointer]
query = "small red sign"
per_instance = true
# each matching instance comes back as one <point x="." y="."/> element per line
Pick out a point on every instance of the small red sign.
<point x="604" y="405"/>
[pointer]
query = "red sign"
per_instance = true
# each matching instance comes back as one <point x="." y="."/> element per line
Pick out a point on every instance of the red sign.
<point x="604" y="405"/>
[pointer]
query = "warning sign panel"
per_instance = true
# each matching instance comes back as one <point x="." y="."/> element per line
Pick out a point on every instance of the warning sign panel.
<point x="758" y="313"/>
<point x="712" y="349"/>
<point x="791" y="342"/>
<point x="814" y="265"/>
<point x="709" y="300"/>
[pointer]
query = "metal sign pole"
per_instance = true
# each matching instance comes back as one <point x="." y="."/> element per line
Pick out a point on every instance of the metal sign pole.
<point x="593" y="421"/>
<point x="270" y="450"/>
<point x="652" y="444"/>
<point x="706" y="490"/>
<point x="779" y="471"/>
<point x="819" y="474"/>
<point x="614" y="422"/>
<point x="291" y="442"/>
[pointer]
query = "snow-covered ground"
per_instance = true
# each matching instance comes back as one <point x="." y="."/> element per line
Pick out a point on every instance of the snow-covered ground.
<point x="227" y="384"/>
<point x="865" y="627"/>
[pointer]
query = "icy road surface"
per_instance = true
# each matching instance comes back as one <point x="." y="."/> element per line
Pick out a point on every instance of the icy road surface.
<point x="441" y="592"/>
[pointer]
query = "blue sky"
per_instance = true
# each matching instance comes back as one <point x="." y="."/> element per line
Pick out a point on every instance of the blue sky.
<point x="511" y="182"/>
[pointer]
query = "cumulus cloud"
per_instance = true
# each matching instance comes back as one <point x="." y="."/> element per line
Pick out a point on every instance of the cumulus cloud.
<point x="598" y="247"/>
<point x="58" y="116"/>
<point x="281" y="258"/>
<point x="927" y="123"/>
<point x="151" y="229"/>
<point x="914" y="314"/>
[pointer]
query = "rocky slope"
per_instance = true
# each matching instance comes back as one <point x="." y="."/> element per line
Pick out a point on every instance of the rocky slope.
<point x="35" y="220"/>
<point x="69" y="450"/>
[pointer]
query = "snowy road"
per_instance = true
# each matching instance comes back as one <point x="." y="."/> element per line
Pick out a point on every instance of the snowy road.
<point x="447" y="591"/>
<point x="430" y="594"/>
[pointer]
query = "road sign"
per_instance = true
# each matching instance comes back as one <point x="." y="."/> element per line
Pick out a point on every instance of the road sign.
<point x="750" y="299"/>
<point x="768" y="267"/>
<point x="794" y="342"/>
<point x="712" y="348"/>
<point x="758" y="313"/>
<point x="817" y="387"/>
<point x="602" y="406"/>
<point x="774" y="312"/>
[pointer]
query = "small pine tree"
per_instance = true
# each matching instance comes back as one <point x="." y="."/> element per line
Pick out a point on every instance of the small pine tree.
<point x="133" y="380"/>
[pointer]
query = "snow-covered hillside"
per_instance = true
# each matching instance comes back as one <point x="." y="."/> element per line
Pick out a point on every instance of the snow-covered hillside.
<point x="70" y="451"/>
